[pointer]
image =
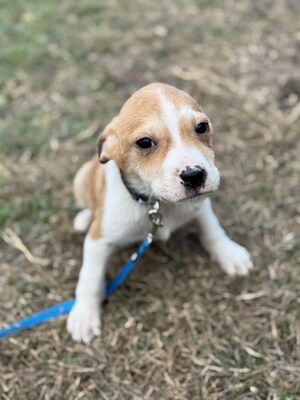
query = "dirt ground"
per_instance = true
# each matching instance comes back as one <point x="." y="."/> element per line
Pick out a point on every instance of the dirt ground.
<point x="178" y="328"/>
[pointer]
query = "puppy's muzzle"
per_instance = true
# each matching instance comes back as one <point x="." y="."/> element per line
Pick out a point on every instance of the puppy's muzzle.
<point x="193" y="178"/>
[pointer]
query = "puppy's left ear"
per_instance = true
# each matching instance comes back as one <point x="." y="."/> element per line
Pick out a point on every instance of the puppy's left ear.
<point x="105" y="143"/>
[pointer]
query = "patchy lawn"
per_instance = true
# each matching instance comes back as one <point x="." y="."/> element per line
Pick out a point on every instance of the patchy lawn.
<point x="178" y="328"/>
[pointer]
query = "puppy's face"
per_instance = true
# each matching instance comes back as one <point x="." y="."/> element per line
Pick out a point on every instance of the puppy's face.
<point x="162" y="142"/>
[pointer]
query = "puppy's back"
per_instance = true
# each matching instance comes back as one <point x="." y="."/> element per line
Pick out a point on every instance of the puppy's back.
<point x="89" y="184"/>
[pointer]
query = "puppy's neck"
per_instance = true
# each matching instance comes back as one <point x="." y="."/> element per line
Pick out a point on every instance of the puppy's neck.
<point x="141" y="198"/>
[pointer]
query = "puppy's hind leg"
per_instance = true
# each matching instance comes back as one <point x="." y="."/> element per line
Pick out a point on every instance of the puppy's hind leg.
<point x="83" y="196"/>
<point x="82" y="220"/>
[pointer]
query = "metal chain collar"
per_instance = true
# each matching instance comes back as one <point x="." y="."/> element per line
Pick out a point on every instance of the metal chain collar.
<point x="155" y="217"/>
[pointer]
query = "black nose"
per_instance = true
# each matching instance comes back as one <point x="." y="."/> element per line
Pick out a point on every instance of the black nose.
<point x="193" y="178"/>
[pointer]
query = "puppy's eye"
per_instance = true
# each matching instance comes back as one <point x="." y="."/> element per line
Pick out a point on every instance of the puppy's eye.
<point x="202" y="128"/>
<point x="145" y="143"/>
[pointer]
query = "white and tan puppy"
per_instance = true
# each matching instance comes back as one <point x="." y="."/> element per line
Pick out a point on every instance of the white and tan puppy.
<point x="159" y="146"/>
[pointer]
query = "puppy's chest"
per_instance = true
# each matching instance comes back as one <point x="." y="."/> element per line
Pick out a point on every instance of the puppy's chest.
<point x="172" y="218"/>
<point x="132" y="223"/>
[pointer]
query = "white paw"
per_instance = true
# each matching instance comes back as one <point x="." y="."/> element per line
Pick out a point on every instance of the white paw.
<point x="83" y="220"/>
<point x="231" y="257"/>
<point x="84" y="321"/>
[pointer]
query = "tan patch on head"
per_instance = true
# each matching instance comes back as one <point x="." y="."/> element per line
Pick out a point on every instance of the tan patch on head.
<point x="141" y="106"/>
<point x="140" y="117"/>
<point x="139" y="113"/>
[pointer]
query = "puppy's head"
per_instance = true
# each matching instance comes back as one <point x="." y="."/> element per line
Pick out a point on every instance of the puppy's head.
<point x="162" y="142"/>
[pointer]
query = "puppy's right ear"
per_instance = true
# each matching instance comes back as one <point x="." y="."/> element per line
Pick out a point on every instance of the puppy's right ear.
<point x="105" y="143"/>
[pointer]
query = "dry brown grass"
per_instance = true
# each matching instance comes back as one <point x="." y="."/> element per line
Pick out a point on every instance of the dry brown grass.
<point x="178" y="328"/>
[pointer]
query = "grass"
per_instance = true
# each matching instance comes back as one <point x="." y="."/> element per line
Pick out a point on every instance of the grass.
<point x="178" y="328"/>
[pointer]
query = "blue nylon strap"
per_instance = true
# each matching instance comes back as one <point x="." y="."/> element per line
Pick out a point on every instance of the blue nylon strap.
<point x="65" y="307"/>
<point x="128" y="267"/>
<point x="38" y="318"/>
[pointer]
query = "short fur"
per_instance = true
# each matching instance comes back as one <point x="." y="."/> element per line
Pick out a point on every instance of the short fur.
<point x="168" y="117"/>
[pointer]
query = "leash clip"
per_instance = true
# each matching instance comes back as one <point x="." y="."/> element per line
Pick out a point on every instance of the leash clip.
<point x="155" y="216"/>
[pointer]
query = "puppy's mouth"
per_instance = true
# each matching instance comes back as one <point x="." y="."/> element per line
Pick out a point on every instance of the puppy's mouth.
<point x="193" y="196"/>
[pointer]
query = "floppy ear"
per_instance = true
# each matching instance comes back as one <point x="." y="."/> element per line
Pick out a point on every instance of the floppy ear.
<point x="105" y="142"/>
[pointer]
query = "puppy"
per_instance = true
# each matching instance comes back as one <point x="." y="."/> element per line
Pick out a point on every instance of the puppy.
<point x="158" y="147"/>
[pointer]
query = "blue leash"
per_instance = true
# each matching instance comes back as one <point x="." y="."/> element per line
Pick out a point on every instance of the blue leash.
<point x="65" y="307"/>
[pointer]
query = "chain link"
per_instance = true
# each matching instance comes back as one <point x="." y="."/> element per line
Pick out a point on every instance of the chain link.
<point x="155" y="217"/>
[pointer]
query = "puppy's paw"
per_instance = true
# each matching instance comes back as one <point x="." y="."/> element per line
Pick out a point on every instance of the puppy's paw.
<point x="231" y="257"/>
<point x="84" y="321"/>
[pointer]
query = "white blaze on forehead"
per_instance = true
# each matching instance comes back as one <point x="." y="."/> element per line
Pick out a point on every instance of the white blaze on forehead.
<point x="170" y="115"/>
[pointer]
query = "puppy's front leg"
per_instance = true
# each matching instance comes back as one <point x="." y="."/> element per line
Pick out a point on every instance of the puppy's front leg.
<point x="84" y="320"/>
<point x="231" y="257"/>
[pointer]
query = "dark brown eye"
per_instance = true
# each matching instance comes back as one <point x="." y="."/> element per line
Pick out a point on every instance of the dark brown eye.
<point x="145" y="143"/>
<point x="202" y="128"/>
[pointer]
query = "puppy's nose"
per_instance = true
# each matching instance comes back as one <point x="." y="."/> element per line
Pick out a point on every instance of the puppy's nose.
<point x="193" y="178"/>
